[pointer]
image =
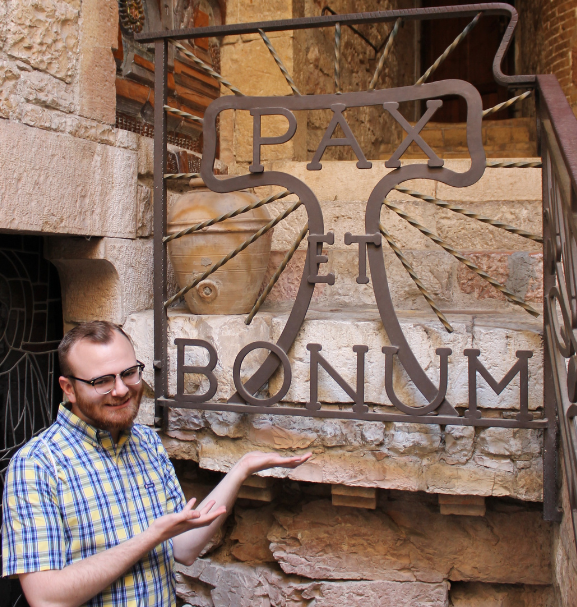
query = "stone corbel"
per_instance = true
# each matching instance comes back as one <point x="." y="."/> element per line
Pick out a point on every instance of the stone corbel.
<point x="102" y="278"/>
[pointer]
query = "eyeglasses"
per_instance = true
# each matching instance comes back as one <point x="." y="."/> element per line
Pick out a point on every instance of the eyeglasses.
<point x="105" y="383"/>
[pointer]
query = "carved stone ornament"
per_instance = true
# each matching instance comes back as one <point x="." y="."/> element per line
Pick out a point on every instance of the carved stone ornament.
<point x="131" y="15"/>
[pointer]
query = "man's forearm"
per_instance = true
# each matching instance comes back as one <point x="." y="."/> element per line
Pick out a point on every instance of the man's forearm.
<point x="189" y="545"/>
<point x="81" y="581"/>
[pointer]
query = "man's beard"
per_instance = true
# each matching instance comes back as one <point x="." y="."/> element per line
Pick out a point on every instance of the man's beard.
<point x="106" y="418"/>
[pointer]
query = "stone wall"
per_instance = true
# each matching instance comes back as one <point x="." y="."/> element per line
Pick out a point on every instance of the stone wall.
<point x="309" y="57"/>
<point x="67" y="172"/>
<point x="300" y="550"/>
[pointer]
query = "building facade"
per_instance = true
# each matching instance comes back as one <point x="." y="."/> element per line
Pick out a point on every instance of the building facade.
<point x="385" y="513"/>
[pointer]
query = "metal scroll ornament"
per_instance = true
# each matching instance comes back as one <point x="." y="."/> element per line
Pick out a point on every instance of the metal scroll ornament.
<point x="131" y="15"/>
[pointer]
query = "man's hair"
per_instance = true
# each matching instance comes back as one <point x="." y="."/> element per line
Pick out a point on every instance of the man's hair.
<point x="96" y="331"/>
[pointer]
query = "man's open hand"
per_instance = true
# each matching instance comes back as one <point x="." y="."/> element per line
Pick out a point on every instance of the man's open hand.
<point x="172" y="525"/>
<point x="257" y="461"/>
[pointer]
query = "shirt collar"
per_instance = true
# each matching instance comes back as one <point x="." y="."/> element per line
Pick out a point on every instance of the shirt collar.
<point x="93" y="435"/>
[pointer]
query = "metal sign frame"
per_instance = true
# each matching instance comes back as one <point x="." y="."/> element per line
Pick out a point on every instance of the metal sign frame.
<point x="438" y="410"/>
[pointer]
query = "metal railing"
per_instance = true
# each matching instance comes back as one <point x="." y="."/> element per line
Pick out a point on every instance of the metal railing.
<point x="558" y="131"/>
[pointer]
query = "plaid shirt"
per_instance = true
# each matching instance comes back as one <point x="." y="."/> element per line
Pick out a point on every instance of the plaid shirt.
<point x="71" y="493"/>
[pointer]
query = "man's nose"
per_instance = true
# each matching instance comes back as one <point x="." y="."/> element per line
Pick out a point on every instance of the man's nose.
<point x="120" y="388"/>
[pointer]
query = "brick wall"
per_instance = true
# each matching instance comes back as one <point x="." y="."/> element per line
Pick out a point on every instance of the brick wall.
<point x="547" y="42"/>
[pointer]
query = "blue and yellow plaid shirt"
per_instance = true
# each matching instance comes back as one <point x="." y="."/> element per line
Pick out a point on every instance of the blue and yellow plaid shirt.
<point x="71" y="493"/>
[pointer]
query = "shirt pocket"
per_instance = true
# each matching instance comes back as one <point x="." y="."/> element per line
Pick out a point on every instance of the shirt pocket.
<point x="149" y="493"/>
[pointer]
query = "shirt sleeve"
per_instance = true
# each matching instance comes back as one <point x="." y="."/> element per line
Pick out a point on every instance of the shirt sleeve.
<point x="32" y="529"/>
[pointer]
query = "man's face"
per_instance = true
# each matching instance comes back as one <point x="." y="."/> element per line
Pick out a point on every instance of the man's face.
<point x="116" y="410"/>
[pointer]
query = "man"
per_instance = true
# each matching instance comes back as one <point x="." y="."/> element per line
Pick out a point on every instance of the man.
<point x="92" y="512"/>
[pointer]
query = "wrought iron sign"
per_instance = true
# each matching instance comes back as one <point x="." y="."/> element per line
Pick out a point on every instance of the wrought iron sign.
<point x="369" y="246"/>
<point x="438" y="409"/>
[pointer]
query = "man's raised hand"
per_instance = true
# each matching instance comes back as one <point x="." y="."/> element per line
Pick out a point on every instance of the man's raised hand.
<point x="257" y="461"/>
<point x="172" y="525"/>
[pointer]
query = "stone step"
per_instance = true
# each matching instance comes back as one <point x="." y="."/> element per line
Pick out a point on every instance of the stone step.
<point x="501" y="138"/>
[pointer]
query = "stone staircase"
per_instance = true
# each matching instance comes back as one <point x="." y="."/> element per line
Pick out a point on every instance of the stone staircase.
<point x="396" y="547"/>
<point x="512" y="138"/>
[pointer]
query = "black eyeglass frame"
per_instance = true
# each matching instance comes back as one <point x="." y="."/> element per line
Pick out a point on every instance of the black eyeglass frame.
<point x="91" y="382"/>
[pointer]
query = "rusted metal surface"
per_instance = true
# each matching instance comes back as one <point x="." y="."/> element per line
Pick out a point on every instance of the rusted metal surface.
<point x="416" y="14"/>
<point x="559" y="152"/>
<point x="159" y="218"/>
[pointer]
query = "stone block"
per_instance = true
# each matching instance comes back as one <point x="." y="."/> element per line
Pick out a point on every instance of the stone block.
<point x="44" y="34"/>
<point x="496" y="184"/>
<point x="455" y="137"/>
<point x="97" y="74"/>
<point x="354" y="462"/>
<point x="250" y="534"/>
<point x="511" y="442"/>
<point x="414" y="439"/>
<point x="377" y="594"/>
<point x="459" y="444"/>
<point x="244" y="585"/>
<point x="334" y="330"/>
<point x="257" y="74"/>
<point x="76" y="187"/>
<point x="44" y="90"/>
<point x="371" y="454"/>
<point x="103" y="278"/>
<point x="354" y="497"/>
<point x="144" y="212"/>
<point x="499" y="135"/>
<point x="475" y="594"/>
<point x="343" y="181"/>
<point x="401" y="543"/>
<point x="9" y="76"/>
<point x="258" y="488"/>
<point x="520" y="272"/>
<point x="462" y="505"/>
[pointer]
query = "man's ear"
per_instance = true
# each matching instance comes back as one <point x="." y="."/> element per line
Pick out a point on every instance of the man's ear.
<point x="67" y="388"/>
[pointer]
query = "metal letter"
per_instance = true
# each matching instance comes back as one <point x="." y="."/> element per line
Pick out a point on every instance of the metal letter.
<point x="443" y="354"/>
<point x="521" y="367"/>
<point x="181" y="369"/>
<point x="363" y="239"/>
<point x="413" y="133"/>
<point x="257" y="140"/>
<point x="348" y="139"/>
<point x="249" y="398"/>
<point x="315" y="258"/>
<point x="316" y="360"/>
